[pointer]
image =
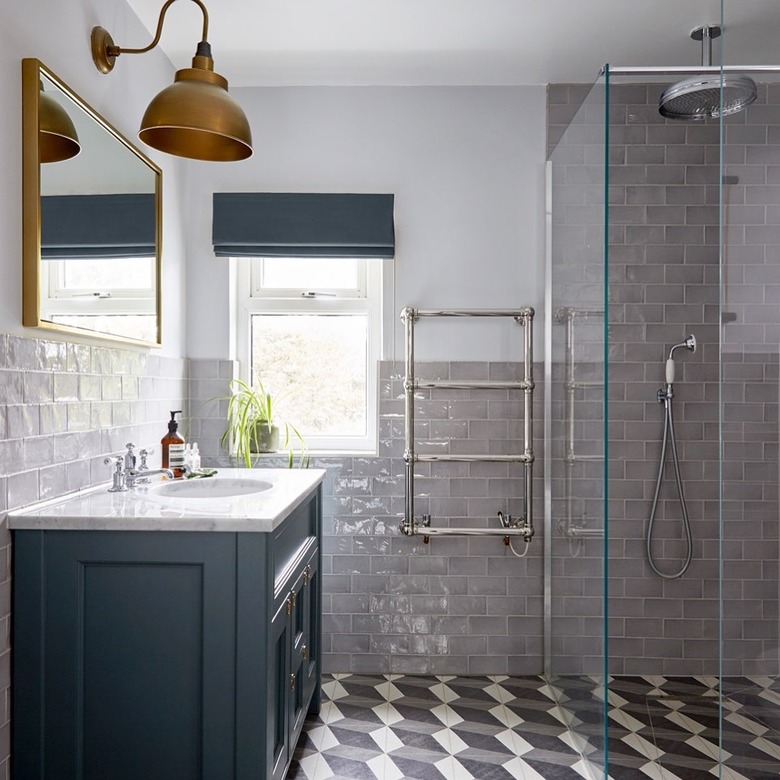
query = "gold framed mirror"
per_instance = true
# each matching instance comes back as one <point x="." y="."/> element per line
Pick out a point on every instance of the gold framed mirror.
<point x="92" y="220"/>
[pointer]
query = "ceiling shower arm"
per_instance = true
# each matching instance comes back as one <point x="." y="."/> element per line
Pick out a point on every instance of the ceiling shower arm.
<point x="706" y="34"/>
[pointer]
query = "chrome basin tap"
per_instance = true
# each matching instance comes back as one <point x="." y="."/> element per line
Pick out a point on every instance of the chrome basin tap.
<point x="134" y="475"/>
<point x="123" y="478"/>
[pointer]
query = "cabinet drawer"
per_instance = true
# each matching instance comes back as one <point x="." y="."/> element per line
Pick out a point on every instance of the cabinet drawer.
<point x="292" y="538"/>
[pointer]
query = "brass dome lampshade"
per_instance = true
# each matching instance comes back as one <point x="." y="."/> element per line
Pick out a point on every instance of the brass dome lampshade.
<point x="57" y="136"/>
<point x="195" y="117"/>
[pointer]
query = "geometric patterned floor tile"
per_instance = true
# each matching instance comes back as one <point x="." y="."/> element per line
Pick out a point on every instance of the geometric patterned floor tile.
<point x="405" y="727"/>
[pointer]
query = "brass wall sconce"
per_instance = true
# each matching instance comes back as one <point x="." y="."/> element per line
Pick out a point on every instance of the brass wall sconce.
<point x="57" y="136"/>
<point x="194" y="117"/>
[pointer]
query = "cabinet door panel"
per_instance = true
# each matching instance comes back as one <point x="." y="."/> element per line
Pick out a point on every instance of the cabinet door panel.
<point x="277" y="724"/>
<point x="142" y="670"/>
<point x="299" y="642"/>
<point x="138" y="669"/>
<point x="312" y="621"/>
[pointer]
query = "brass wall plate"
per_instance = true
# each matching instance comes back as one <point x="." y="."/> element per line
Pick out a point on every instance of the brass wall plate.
<point x="102" y="42"/>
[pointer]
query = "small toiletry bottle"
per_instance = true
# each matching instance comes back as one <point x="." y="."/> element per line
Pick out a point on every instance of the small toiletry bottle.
<point x="173" y="447"/>
<point x="195" y="456"/>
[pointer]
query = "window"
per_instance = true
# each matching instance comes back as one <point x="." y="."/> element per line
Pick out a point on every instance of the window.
<point x="102" y="294"/>
<point x="310" y="330"/>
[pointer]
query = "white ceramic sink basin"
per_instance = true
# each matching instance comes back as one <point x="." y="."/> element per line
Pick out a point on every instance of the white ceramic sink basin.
<point x="213" y="487"/>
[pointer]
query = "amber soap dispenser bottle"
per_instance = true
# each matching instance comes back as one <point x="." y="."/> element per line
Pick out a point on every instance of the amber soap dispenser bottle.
<point x="173" y="447"/>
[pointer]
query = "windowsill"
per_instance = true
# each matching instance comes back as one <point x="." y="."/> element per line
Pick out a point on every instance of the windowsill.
<point x="318" y="454"/>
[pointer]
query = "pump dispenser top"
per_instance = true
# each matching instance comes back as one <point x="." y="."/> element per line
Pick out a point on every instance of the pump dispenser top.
<point x="173" y="424"/>
<point x="173" y="447"/>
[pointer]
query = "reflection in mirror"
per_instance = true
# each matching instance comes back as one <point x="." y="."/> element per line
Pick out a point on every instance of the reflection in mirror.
<point x="57" y="133"/>
<point x="92" y="264"/>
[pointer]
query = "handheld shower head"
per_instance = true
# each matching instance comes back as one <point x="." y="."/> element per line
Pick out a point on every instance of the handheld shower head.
<point x="689" y="344"/>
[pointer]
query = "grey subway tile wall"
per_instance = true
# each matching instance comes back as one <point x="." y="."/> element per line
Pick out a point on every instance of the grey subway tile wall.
<point x="64" y="407"/>
<point x="669" y="277"/>
<point x="392" y="603"/>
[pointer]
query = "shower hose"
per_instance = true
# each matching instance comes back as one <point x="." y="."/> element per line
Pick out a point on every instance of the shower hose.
<point x="665" y="396"/>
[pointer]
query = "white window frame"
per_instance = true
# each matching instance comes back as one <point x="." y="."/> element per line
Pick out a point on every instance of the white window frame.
<point x="57" y="299"/>
<point x="366" y="299"/>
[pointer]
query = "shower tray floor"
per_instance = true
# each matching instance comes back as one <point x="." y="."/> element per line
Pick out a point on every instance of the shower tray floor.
<point x="411" y="727"/>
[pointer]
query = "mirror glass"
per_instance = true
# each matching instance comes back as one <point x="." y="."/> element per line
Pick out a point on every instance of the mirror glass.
<point x="92" y="220"/>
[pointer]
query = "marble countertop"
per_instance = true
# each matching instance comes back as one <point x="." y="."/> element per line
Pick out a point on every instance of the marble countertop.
<point x="142" y="509"/>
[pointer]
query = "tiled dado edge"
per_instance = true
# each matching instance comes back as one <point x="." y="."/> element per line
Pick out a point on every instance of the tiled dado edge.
<point x="459" y="605"/>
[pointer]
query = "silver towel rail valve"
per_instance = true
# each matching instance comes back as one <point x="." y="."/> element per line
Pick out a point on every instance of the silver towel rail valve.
<point x="520" y="524"/>
<point x="426" y="523"/>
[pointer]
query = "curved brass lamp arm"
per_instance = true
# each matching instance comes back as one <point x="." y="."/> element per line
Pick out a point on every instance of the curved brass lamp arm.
<point x="115" y="51"/>
<point x="105" y="51"/>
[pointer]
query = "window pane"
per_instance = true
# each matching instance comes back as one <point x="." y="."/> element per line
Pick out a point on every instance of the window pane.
<point x="132" y="326"/>
<point x="318" y="364"/>
<point x="284" y="273"/>
<point x="108" y="274"/>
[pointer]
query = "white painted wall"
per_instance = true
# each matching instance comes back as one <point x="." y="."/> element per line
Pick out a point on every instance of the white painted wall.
<point x="466" y="165"/>
<point x="57" y="33"/>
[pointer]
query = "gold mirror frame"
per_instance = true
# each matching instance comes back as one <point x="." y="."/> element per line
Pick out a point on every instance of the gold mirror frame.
<point x="32" y="72"/>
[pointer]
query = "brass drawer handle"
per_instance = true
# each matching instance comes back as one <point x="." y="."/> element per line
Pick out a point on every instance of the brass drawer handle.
<point x="304" y="652"/>
<point x="289" y="606"/>
<point x="294" y="597"/>
<point x="292" y="682"/>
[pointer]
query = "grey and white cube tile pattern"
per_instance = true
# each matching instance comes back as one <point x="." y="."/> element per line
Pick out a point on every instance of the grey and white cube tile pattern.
<point x="401" y="727"/>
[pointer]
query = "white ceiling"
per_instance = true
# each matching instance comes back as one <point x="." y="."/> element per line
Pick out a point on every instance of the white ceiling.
<point x="448" y="42"/>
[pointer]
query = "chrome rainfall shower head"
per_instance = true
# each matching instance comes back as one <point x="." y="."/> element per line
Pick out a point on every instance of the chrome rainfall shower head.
<point x="707" y="96"/>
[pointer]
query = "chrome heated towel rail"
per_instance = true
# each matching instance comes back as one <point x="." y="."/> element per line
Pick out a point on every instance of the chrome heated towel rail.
<point x="520" y="527"/>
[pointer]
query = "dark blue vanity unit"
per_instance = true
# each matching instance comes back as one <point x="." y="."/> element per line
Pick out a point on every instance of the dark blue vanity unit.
<point x="165" y="654"/>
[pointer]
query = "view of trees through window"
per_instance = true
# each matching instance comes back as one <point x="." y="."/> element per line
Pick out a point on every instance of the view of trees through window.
<point x="317" y="366"/>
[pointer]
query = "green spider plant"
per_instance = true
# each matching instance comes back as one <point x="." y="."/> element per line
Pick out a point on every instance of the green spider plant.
<point x="252" y="429"/>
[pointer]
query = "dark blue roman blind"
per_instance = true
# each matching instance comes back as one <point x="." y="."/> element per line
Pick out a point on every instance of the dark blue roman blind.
<point x="83" y="226"/>
<point x="291" y="224"/>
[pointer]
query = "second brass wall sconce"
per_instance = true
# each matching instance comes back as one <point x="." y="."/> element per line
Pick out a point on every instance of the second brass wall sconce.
<point x="193" y="117"/>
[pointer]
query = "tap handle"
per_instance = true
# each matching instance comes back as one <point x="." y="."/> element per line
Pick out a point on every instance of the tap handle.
<point x="130" y="456"/>
<point x="118" y="474"/>
<point x="143" y="455"/>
